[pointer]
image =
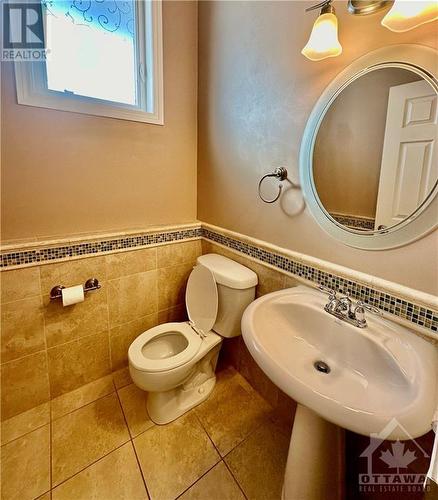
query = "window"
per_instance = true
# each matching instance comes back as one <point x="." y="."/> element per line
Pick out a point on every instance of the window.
<point x="104" y="58"/>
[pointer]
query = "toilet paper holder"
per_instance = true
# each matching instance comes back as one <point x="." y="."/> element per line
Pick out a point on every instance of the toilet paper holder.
<point x="90" y="285"/>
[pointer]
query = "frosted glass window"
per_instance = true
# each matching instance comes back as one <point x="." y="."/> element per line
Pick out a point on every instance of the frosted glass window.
<point x="92" y="49"/>
<point x="104" y="58"/>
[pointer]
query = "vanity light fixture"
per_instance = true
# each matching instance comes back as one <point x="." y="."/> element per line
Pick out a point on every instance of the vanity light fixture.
<point x="404" y="16"/>
<point x="323" y="41"/>
<point x="365" y="7"/>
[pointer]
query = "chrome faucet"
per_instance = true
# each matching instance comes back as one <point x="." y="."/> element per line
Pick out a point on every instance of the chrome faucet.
<point x="342" y="308"/>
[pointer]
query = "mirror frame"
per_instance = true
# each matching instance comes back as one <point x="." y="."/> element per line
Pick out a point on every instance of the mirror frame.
<point x="417" y="58"/>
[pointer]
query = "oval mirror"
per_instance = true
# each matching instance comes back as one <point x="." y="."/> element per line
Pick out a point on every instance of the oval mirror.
<point x="371" y="157"/>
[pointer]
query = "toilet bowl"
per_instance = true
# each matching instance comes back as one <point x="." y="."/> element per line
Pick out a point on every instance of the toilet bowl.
<point x="175" y="362"/>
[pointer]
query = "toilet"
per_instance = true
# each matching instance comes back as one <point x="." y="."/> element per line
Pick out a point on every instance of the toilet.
<point x="176" y="362"/>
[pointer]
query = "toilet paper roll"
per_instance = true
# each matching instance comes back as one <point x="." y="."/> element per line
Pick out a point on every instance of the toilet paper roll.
<point x="72" y="295"/>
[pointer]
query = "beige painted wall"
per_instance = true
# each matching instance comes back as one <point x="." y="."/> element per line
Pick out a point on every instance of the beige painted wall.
<point x="65" y="173"/>
<point x="349" y="145"/>
<point x="255" y="94"/>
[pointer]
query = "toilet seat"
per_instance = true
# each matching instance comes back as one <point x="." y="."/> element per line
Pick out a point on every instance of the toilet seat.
<point x="202" y="304"/>
<point x="144" y="363"/>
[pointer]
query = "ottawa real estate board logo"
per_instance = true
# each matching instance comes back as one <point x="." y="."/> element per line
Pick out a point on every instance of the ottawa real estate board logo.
<point x="394" y="466"/>
<point x="23" y="32"/>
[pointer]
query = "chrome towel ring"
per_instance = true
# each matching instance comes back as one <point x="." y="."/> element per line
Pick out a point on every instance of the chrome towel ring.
<point x="279" y="173"/>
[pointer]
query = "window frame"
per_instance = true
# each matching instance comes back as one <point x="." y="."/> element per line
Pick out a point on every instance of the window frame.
<point x="32" y="90"/>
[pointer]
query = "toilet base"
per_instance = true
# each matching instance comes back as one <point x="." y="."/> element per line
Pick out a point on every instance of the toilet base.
<point x="164" y="407"/>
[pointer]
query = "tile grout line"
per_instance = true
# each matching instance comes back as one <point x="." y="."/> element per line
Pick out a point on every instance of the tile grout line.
<point x="51" y="447"/>
<point x="108" y="332"/>
<point x="25" y="434"/>
<point x="90" y="464"/>
<point x="133" y="445"/>
<point x="234" y="477"/>
<point x="6" y="302"/>
<point x="95" y="461"/>
<point x="84" y="405"/>
<point x="222" y="458"/>
<point x="114" y="390"/>
<point x="49" y="386"/>
<point x="131" y="440"/>
<point x="199" y="478"/>
<point x="234" y="447"/>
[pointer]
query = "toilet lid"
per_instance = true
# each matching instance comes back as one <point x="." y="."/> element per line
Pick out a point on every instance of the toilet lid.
<point x="201" y="298"/>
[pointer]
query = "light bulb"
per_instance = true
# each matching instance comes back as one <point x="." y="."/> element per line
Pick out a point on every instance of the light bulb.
<point x="408" y="14"/>
<point x="323" y="41"/>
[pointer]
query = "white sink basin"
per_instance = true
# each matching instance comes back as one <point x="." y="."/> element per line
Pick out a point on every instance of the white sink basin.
<point x="377" y="373"/>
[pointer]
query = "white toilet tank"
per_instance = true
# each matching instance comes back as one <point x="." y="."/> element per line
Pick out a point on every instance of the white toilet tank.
<point x="236" y="286"/>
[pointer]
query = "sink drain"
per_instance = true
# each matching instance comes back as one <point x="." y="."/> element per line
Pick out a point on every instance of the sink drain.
<point x="321" y="366"/>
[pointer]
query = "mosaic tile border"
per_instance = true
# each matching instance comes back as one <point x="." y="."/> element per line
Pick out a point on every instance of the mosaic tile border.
<point x="364" y="223"/>
<point x="41" y="255"/>
<point x="418" y="315"/>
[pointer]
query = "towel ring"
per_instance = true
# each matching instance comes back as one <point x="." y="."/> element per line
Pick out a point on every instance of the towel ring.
<point x="279" y="173"/>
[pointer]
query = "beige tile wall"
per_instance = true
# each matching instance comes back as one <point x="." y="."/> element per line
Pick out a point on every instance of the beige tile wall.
<point x="48" y="350"/>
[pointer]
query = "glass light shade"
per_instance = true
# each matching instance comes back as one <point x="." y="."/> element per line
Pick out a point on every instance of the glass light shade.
<point x="408" y="14"/>
<point x="323" y="41"/>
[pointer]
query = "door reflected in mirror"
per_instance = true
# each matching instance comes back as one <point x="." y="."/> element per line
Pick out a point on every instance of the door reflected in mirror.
<point x="375" y="160"/>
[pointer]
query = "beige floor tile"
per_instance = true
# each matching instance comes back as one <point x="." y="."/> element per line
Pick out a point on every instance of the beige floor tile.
<point x="258" y="463"/>
<point x="24" y="384"/>
<point x="25" y="466"/>
<point x="229" y="375"/>
<point x="20" y="284"/>
<point x="114" y="477"/>
<point x="232" y="412"/>
<point x="80" y="397"/>
<point x="46" y="496"/>
<point x="25" y="422"/>
<point x="77" y="363"/>
<point x="174" y="456"/>
<point x="133" y="402"/>
<point x="22" y="328"/>
<point x="217" y="484"/>
<point x="84" y="436"/>
<point x="122" y="377"/>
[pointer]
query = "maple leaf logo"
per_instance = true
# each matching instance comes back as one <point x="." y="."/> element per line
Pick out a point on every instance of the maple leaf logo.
<point x="398" y="458"/>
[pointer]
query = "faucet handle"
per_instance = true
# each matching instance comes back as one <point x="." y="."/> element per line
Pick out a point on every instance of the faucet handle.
<point x="368" y="307"/>
<point x="331" y="293"/>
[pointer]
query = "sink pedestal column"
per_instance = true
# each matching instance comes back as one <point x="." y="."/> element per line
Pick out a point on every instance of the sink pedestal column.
<point x="315" y="464"/>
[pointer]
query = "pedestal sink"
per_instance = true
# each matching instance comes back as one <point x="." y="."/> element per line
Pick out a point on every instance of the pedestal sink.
<point x="357" y="378"/>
